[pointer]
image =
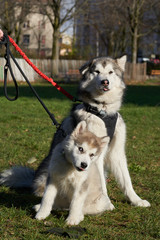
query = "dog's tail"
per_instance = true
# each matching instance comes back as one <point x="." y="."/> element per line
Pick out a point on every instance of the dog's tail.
<point x="17" y="177"/>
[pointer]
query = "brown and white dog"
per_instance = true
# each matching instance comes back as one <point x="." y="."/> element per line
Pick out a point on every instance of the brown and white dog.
<point x="73" y="180"/>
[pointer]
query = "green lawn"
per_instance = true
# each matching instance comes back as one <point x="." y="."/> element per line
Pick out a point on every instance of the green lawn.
<point x="26" y="131"/>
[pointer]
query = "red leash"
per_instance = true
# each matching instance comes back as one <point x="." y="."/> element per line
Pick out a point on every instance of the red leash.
<point x="59" y="88"/>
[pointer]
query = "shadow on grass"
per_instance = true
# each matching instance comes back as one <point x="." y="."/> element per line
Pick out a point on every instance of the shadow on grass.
<point x="25" y="200"/>
<point x="139" y="95"/>
<point x="19" y="199"/>
<point x="142" y="95"/>
<point x="45" y="91"/>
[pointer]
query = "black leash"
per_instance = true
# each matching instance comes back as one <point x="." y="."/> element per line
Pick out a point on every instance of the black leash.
<point x="110" y="121"/>
<point x="7" y="67"/>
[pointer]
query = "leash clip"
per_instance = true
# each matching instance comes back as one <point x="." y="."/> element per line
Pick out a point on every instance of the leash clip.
<point x="6" y="67"/>
<point x="91" y="109"/>
<point x="7" y="61"/>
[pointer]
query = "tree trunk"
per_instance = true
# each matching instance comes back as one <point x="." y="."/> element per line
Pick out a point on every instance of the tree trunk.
<point x="17" y="32"/>
<point x="110" y="44"/>
<point x="134" y="52"/>
<point x="55" y="53"/>
<point x="134" y="45"/>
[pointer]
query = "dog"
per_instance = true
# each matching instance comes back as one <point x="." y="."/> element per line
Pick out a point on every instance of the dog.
<point x="70" y="175"/>
<point x="101" y="91"/>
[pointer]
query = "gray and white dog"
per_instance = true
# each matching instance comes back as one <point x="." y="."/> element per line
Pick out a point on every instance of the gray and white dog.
<point x="73" y="180"/>
<point x="100" y="90"/>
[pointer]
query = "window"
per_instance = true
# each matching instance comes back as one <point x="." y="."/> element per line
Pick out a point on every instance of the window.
<point x="26" y="39"/>
<point x="43" y="40"/>
<point x="26" y="24"/>
<point x="43" y="24"/>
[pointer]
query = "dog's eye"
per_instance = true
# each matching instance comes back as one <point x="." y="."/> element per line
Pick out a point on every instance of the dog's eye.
<point x="91" y="155"/>
<point x="80" y="149"/>
<point x="96" y="71"/>
<point x="110" y="72"/>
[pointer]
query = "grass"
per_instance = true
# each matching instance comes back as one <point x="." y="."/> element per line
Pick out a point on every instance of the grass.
<point x="26" y="132"/>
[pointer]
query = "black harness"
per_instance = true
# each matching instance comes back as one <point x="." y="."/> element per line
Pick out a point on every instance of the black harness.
<point x="109" y="120"/>
<point x="110" y="123"/>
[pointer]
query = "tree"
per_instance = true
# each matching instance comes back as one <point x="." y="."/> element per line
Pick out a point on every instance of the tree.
<point x="156" y="10"/>
<point x="102" y="28"/>
<point x="111" y="27"/>
<point x="58" y="13"/>
<point x="137" y="12"/>
<point x="119" y="25"/>
<point x="13" y="14"/>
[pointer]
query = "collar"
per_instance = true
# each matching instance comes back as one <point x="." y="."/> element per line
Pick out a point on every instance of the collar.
<point x="95" y="111"/>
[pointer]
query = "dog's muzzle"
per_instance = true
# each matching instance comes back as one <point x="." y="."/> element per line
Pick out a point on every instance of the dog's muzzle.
<point x="105" y="84"/>
<point x="82" y="167"/>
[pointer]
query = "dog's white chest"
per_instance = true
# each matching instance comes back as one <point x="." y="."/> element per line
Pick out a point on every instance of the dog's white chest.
<point x="72" y="181"/>
<point x="74" y="178"/>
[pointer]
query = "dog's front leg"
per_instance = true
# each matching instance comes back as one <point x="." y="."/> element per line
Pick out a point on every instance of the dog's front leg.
<point x="100" y="166"/>
<point x="118" y="165"/>
<point x="47" y="202"/>
<point x="76" y="214"/>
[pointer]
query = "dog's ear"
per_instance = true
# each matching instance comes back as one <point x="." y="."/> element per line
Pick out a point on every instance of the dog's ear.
<point x="84" y="68"/>
<point x="105" y="140"/>
<point x="80" y="128"/>
<point x="122" y="62"/>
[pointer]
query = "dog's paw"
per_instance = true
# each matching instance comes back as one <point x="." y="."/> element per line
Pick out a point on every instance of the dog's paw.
<point x="142" y="203"/>
<point x="74" y="220"/>
<point x="41" y="215"/>
<point x="36" y="207"/>
<point x="110" y="206"/>
<point x="103" y="203"/>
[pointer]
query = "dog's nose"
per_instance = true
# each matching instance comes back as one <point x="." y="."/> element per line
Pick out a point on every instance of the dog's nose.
<point x="83" y="165"/>
<point x="105" y="82"/>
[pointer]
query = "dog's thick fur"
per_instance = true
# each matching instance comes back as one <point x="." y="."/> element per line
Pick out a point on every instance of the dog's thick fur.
<point x="101" y="87"/>
<point x="73" y="179"/>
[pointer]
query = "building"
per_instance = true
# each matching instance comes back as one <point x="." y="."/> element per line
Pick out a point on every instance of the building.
<point x="36" y="35"/>
<point x="65" y="44"/>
